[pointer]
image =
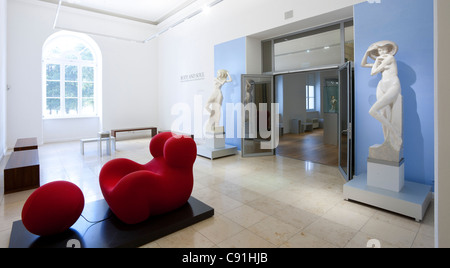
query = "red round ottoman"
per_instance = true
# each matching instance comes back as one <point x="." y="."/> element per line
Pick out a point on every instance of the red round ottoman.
<point x="53" y="208"/>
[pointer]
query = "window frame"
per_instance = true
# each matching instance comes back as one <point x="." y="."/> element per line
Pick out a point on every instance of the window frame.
<point x="309" y="98"/>
<point x="80" y="64"/>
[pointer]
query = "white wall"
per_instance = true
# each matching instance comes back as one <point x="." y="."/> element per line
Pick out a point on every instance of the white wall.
<point x="442" y="125"/>
<point x="130" y="93"/>
<point x="189" y="47"/>
<point x="294" y="99"/>
<point x="62" y="130"/>
<point x="254" y="59"/>
<point x="3" y="16"/>
<point x="129" y="73"/>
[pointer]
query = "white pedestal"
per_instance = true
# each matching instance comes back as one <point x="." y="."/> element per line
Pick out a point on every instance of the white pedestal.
<point x="215" y="140"/>
<point x="215" y="146"/>
<point x="412" y="201"/>
<point x="212" y="153"/>
<point x="386" y="175"/>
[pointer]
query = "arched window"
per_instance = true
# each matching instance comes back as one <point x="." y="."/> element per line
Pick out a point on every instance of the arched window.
<point x="71" y="75"/>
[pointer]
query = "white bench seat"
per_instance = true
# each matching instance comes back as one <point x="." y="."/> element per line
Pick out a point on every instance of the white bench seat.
<point x="111" y="140"/>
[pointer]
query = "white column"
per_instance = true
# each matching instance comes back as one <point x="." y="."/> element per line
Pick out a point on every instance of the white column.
<point x="442" y="127"/>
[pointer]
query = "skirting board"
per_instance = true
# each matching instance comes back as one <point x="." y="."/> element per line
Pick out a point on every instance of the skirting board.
<point x="412" y="201"/>
<point x="212" y="153"/>
<point x="113" y="233"/>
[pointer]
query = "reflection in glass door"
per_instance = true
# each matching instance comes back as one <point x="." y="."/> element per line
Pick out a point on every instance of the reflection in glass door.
<point x="346" y="120"/>
<point x="258" y="119"/>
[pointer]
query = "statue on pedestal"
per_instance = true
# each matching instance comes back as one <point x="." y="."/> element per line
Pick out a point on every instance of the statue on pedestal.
<point x="214" y="146"/>
<point x="389" y="105"/>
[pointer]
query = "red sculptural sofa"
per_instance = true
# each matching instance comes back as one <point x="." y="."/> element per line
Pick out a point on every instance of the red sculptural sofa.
<point x="134" y="192"/>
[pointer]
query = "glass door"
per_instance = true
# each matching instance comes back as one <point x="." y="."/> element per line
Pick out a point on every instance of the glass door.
<point x="259" y="116"/>
<point x="346" y="120"/>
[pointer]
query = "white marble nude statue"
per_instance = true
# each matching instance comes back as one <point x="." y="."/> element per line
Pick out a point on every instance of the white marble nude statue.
<point x="214" y="103"/>
<point x="388" y="107"/>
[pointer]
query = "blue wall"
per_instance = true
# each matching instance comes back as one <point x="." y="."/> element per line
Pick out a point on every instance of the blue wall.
<point x="409" y="23"/>
<point x="231" y="56"/>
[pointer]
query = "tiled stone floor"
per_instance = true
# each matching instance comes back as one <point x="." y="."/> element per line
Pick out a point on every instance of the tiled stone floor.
<point x="259" y="202"/>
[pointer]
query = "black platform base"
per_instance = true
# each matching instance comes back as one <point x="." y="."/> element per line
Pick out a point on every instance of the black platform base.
<point x="112" y="233"/>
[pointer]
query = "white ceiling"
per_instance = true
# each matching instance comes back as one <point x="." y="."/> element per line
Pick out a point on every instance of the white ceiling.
<point x="148" y="11"/>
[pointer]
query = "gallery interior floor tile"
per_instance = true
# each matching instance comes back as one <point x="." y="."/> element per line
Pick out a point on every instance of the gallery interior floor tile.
<point x="308" y="146"/>
<point x="259" y="202"/>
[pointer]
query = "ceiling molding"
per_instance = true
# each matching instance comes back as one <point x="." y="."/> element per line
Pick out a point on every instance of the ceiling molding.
<point x="122" y="16"/>
<point x="191" y="15"/>
<point x="175" y="11"/>
<point x="60" y="3"/>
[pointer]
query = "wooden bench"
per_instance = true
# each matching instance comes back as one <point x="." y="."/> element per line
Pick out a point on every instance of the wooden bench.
<point x="115" y="131"/>
<point x="22" y="171"/>
<point x="26" y="144"/>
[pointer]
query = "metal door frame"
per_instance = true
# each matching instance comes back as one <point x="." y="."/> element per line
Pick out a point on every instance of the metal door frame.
<point x="244" y="77"/>
<point x="350" y="120"/>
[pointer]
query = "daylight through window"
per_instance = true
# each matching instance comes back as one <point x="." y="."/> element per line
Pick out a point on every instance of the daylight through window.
<point x="310" y="98"/>
<point x="70" y="76"/>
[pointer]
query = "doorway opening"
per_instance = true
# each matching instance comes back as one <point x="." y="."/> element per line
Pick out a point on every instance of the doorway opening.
<point x="307" y="67"/>
<point x="309" y="106"/>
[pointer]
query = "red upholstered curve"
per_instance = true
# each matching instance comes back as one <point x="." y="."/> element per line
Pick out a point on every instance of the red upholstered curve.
<point x="158" y="142"/>
<point x="178" y="152"/>
<point x="53" y="208"/>
<point x="134" y="192"/>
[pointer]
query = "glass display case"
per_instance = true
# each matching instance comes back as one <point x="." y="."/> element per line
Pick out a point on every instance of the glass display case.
<point x="331" y="96"/>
